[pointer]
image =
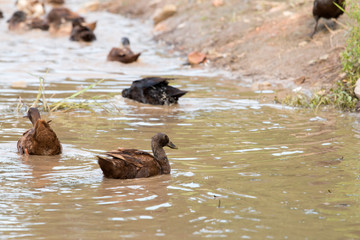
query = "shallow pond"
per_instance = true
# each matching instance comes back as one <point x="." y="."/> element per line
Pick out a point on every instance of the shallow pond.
<point x="244" y="168"/>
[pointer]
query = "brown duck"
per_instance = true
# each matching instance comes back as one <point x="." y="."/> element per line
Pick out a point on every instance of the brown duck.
<point x="133" y="163"/>
<point x="39" y="140"/>
<point x="123" y="54"/>
<point x="81" y="32"/>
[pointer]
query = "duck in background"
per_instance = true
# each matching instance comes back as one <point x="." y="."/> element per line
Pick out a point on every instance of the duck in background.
<point x="39" y="140"/>
<point x="326" y="9"/>
<point x="123" y="54"/>
<point x="153" y="90"/>
<point x="81" y="32"/>
<point x="1" y="14"/>
<point x="132" y="163"/>
<point x="20" y="22"/>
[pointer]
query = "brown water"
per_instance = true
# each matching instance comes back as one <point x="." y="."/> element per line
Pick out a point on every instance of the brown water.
<point x="244" y="169"/>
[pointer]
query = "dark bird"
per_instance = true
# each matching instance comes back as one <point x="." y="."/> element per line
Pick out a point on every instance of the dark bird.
<point x="60" y="15"/>
<point x="17" y="20"/>
<point x="1" y="14"/>
<point x="81" y="32"/>
<point x="123" y="54"/>
<point x="153" y="90"/>
<point x="38" y="23"/>
<point x="132" y="163"/>
<point x="326" y="9"/>
<point x="39" y="140"/>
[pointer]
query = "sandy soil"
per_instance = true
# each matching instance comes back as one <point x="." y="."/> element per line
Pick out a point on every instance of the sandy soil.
<point x="265" y="41"/>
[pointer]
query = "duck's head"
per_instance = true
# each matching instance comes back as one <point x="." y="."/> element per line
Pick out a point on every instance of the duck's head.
<point x="125" y="93"/>
<point x="125" y="42"/>
<point x="33" y="114"/>
<point x="163" y="140"/>
<point x="77" y="22"/>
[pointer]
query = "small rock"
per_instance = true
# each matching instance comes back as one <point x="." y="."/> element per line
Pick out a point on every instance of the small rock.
<point x="196" y="57"/>
<point x="300" y="80"/>
<point x="324" y="57"/>
<point x="19" y="84"/>
<point x="218" y="3"/>
<point x="160" y="27"/>
<point x="357" y="88"/>
<point x="302" y="44"/>
<point x="164" y="13"/>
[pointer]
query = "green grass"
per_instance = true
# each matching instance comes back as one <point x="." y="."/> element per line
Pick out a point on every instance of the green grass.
<point x="69" y="103"/>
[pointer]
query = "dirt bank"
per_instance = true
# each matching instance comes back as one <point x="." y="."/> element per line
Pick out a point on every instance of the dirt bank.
<point x="261" y="40"/>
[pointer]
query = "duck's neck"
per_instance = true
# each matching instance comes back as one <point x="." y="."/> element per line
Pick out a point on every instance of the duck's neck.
<point x="161" y="158"/>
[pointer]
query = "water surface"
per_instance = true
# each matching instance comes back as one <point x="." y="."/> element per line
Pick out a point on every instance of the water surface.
<point x="245" y="168"/>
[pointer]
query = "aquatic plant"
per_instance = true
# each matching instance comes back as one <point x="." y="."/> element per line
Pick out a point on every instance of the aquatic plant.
<point x="64" y="104"/>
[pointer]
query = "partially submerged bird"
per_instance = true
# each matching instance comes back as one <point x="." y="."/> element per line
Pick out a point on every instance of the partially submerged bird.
<point x="123" y="54"/>
<point x="1" y="14"/>
<point x="153" y="90"/>
<point x="59" y="15"/>
<point x="17" y="20"/>
<point x="326" y="9"/>
<point x="39" y="140"/>
<point x="20" y="21"/>
<point x="132" y="163"/>
<point x="81" y="32"/>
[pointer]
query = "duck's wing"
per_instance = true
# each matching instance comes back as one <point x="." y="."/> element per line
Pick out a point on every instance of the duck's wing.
<point x="150" y="82"/>
<point x="132" y="156"/>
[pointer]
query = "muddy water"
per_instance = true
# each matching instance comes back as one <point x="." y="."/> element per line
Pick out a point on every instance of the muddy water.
<point x="244" y="168"/>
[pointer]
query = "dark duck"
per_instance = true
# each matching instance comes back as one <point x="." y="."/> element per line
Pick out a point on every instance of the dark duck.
<point x="81" y="32"/>
<point x="39" y="140"/>
<point x="123" y="54"/>
<point x="59" y="15"/>
<point x="132" y="163"/>
<point x="326" y="9"/>
<point x="153" y="90"/>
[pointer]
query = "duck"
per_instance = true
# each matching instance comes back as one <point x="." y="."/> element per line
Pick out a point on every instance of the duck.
<point x="81" y="32"/>
<point x="132" y="163"/>
<point x="17" y="21"/>
<point x="124" y="53"/>
<point x="153" y="90"/>
<point x="1" y="14"/>
<point x="59" y="15"/>
<point x="39" y="140"/>
<point x="56" y="2"/>
<point x="33" y="8"/>
<point x="20" y="21"/>
<point x="326" y="9"/>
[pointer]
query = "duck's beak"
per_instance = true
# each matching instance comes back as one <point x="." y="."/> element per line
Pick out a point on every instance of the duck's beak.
<point x="171" y="145"/>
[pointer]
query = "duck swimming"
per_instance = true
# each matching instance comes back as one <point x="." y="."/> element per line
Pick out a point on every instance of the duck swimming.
<point x="59" y="15"/>
<point x="326" y="9"/>
<point x="133" y="163"/>
<point x="153" y="90"/>
<point x="39" y="140"/>
<point x="20" y="21"/>
<point x="81" y="32"/>
<point x="123" y="54"/>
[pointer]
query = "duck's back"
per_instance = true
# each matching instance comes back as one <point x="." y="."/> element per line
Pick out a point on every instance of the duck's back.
<point x="40" y="140"/>
<point x="123" y="55"/>
<point x="128" y="163"/>
<point x="327" y="8"/>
